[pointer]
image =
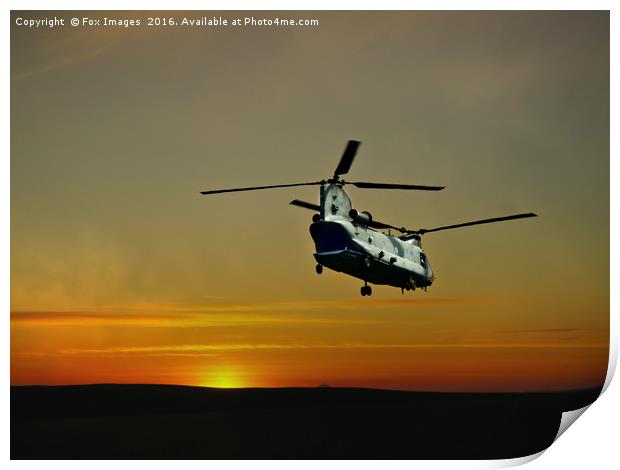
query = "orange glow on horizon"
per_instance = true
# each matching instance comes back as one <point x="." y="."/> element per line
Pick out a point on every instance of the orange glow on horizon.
<point x="270" y="349"/>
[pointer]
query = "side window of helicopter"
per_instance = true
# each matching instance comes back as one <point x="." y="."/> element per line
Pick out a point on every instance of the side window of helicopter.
<point x="423" y="260"/>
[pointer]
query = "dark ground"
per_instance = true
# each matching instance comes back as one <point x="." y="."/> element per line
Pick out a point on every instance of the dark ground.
<point x="176" y="422"/>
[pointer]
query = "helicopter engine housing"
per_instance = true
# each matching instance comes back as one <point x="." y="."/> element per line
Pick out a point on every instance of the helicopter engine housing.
<point x="362" y="218"/>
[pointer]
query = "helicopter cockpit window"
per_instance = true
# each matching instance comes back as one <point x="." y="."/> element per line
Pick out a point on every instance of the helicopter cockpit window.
<point x="423" y="260"/>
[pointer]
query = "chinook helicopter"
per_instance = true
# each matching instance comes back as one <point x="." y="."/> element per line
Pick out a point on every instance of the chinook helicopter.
<point x="350" y="241"/>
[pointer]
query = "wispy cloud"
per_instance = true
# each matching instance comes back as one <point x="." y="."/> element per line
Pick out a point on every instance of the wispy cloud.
<point x="52" y="52"/>
<point x="58" y="62"/>
<point x="172" y="315"/>
<point x="200" y="349"/>
<point x="553" y="330"/>
<point x="171" y="320"/>
<point x="350" y="304"/>
<point x="223" y="306"/>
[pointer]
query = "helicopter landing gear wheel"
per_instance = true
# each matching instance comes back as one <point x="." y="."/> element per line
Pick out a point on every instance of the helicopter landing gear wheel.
<point x="366" y="291"/>
<point x="318" y="268"/>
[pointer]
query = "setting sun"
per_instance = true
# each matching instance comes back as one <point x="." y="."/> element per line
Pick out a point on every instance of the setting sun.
<point x="223" y="377"/>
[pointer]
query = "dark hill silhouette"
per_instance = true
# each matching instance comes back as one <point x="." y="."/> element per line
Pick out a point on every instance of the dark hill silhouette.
<point x="166" y="421"/>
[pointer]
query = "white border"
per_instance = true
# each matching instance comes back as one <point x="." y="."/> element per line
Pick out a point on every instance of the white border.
<point x="592" y="442"/>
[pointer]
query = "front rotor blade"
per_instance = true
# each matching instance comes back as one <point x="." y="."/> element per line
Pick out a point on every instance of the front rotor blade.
<point x="306" y="205"/>
<point x="347" y="158"/>
<point x="233" y="190"/>
<point x="477" y="222"/>
<point x="362" y="184"/>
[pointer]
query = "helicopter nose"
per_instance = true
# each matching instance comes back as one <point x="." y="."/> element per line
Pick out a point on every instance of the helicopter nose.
<point x="329" y="237"/>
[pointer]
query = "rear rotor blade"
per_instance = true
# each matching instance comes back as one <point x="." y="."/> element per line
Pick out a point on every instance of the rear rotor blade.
<point x="347" y="158"/>
<point x="362" y="184"/>
<point x="477" y="222"/>
<point x="233" y="190"/>
<point x="306" y="205"/>
<point x="382" y="226"/>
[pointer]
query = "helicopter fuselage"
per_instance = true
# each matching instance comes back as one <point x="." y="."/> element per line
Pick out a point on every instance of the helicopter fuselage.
<point x="347" y="246"/>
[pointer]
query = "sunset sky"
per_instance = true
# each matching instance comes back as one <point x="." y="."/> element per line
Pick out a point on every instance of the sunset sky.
<point x="122" y="272"/>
